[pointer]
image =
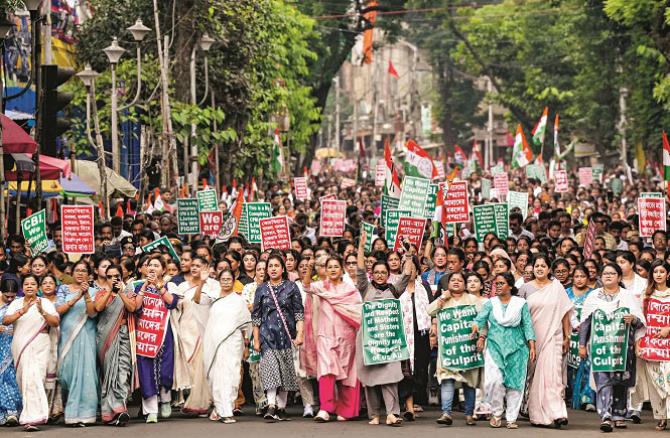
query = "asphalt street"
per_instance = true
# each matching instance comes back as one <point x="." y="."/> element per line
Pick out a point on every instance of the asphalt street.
<point x="582" y="424"/>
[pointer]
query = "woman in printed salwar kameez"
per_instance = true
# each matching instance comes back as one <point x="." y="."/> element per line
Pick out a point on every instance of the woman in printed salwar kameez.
<point x="612" y="386"/>
<point x="115" y="353"/>
<point x="31" y="317"/>
<point x="226" y="335"/>
<point x="77" y="358"/>
<point x="339" y="318"/>
<point x="10" y="396"/>
<point x="154" y="341"/>
<point x="508" y="344"/>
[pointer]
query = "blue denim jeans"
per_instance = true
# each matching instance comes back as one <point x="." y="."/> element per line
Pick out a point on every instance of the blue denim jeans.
<point x="448" y="389"/>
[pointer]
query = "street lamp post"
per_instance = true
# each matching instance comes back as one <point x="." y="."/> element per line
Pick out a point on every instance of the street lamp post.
<point x="114" y="53"/>
<point x="205" y="44"/>
<point x="139" y="31"/>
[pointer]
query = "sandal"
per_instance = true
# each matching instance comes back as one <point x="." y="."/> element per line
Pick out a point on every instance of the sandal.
<point x="512" y="425"/>
<point x="495" y="422"/>
<point x="470" y="420"/>
<point x="606" y="426"/>
<point x="662" y="424"/>
<point x="374" y="421"/>
<point x="393" y="421"/>
<point x="620" y="424"/>
<point x="409" y="416"/>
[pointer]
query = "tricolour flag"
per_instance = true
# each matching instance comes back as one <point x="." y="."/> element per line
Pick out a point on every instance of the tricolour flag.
<point x="522" y="155"/>
<point x="418" y="162"/>
<point x="557" y="146"/>
<point x="391" y="180"/>
<point x="540" y="128"/>
<point x="277" y="155"/>
<point x="231" y="225"/>
<point x="666" y="158"/>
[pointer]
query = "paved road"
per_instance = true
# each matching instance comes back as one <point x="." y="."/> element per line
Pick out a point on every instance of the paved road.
<point x="582" y="424"/>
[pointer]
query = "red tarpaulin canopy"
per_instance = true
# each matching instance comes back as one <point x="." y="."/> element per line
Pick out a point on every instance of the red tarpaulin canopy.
<point x="50" y="168"/>
<point x="14" y="139"/>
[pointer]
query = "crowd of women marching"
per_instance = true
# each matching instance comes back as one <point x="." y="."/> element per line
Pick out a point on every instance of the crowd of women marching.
<point x="82" y="340"/>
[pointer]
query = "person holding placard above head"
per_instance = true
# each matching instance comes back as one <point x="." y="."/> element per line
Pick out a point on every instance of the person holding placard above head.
<point x="380" y="381"/>
<point x="610" y="323"/>
<point x="652" y="350"/>
<point x="456" y="307"/>
<point x="155" y="343"/>
<point x="338" y="320"/>
<point x="507" y="338"/>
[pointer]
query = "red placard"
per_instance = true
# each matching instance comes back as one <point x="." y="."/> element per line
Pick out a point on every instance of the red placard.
<point x="275" y="233"/>
<point x="651" y="215"/>
<point x="211" y="222"/>
<point x="300" y="186"/>
<point x="77" y="229"/>
<point x="326" y="197"/>
<point x="657" y="315"/>
<point x="333" y="214"/>
<point x="456" y="204"/>
<point x="410" y="228"/>
<point x="501" y="183"/>
<point x="585" y="176"/>
<point x="561" y="179"/>
<point x="380" y="173"/>
<point x="347" y="182"/>
<point x="150" y="328"/>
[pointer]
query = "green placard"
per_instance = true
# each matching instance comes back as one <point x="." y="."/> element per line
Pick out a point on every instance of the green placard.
<point x="35" y="232"/>
<point x="392" y="219"/>
<point x="254" y="356"/>
<point x="498" y="168"/>
<point x="573" y="358"/>
<point x="486" y="188"/>
<point x="188" y="216"/>
<point x="163" y="241"/>
<point x="255" y="211"/>
<point x="609" y="341"/>
<point x="597" y="171"/>
<point x="617" y="186"/>
<point x="243" y="227"/>
<point x="536" y="171"/>
<point x="491" y="218"/>
<point x="431" y="202"/>
<point x="383" y="334"/>
<point x="520" y="200"/>
<point x="207" y="200"/>
<point x="414" y="195"/>
<point x="651" y="195"/>
<point x="369" y="231"/>
<point x="388" y="203"/>
<point x="458" y="350"/>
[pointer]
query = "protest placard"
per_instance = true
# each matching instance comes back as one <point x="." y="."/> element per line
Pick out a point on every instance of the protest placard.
<point x="188" y="219"/>
<point x="383" y="333"/>
<point x="519" y="200"/>
<point x="211" y="222"/>
<point x="326" y="197"/>
<point x="388" y="203"/>
<point x="207" y="200"/>
<point x="654" y="348"/>
<point x="561" y="180"/>
<point x="275" y="233"/>
<point x="585" y="176"/>
<point x="77" y="222"/>
<point x="497" y="169"/>
<point x="392" y="218"/>
<point x="255" y="211"/>
<point x="572" y="358"/>
<point x="491" y="218"/>
<point x="243" y="227"/>
<point x="315" y="168"/>
<point x="347" y="182"/>
<point x="486" y="188"/>
<point x="536" y="171"/>
<point x="501" y="184"/>
<point x="163" y="241"/>
<point x="456" y="205"/>
<point x="457" y="348"/>
<point x="152" y="326"/>
<point x="431" y="202"/>
<point x="380" y="173"/>
<point x="409" y="229"/>
<point x="597" y="172"/>
<point x="35" y="232"/>
<point x="333" y="215"/>
<point x="414" y="195"/>
<point x="651" y="215"/>
<point x="300" y="186"/>
<point x="369" y="231"/>
<point x="609" y="341"/>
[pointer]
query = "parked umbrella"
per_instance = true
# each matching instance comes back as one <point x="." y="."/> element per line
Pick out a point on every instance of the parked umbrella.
<point x="14" y="139"/>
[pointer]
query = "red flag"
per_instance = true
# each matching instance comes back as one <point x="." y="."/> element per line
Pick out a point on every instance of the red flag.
<point x="29" y="211"/>
<point x="392" y="71"/>
<point x="119" y="210"/>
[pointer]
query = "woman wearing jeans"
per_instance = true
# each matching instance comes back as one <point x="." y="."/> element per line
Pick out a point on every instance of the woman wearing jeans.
<point x="453" y="295"/>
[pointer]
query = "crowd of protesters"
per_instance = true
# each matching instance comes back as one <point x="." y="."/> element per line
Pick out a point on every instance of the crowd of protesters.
<point x="229" y="329"/>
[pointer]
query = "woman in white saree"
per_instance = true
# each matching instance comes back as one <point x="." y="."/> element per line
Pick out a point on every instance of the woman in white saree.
<point x="226" y="335"/>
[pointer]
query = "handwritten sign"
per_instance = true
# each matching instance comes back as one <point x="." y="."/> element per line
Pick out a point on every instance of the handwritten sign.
<point x="456" y="204"/>
<point x="651" y="215"/>
<point x="211" y="222"/>
<point x="275" y="233"/>
<point x="188" y="219"/>
<point x="151" y="325"/>
<point x="77" y="229"/>
<point x="409" y="229"/>
<point x="333" y="214"/>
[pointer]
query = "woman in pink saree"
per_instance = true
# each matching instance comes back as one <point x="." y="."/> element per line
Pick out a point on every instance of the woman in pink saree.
<point x="31" y="316"/>
<point x="550" y="310"/>
<point x="338" y="321"/>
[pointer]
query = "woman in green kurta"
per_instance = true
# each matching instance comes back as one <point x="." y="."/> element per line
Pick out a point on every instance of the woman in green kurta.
<point x="510" y="343"/>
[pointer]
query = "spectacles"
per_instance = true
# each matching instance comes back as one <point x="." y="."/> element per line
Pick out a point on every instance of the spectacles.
<point x="351" y="263"/>
<point x="609" y="273"/>
<point x="500" y="284"/>
<point x="561" y="271"/>
<point x="80" y="271"/>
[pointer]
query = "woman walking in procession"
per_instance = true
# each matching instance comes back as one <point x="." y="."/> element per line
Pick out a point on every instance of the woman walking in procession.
<point x="31" y="316"/>
<point x="10" y="396"/>
<point x="48" y="287"/>
<point x="115" y="353"/>
<point x="612" y="386"/>
<point x="380" y="381"/>
<point x="507" y="338"/>
<point x="77" y="360"/>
